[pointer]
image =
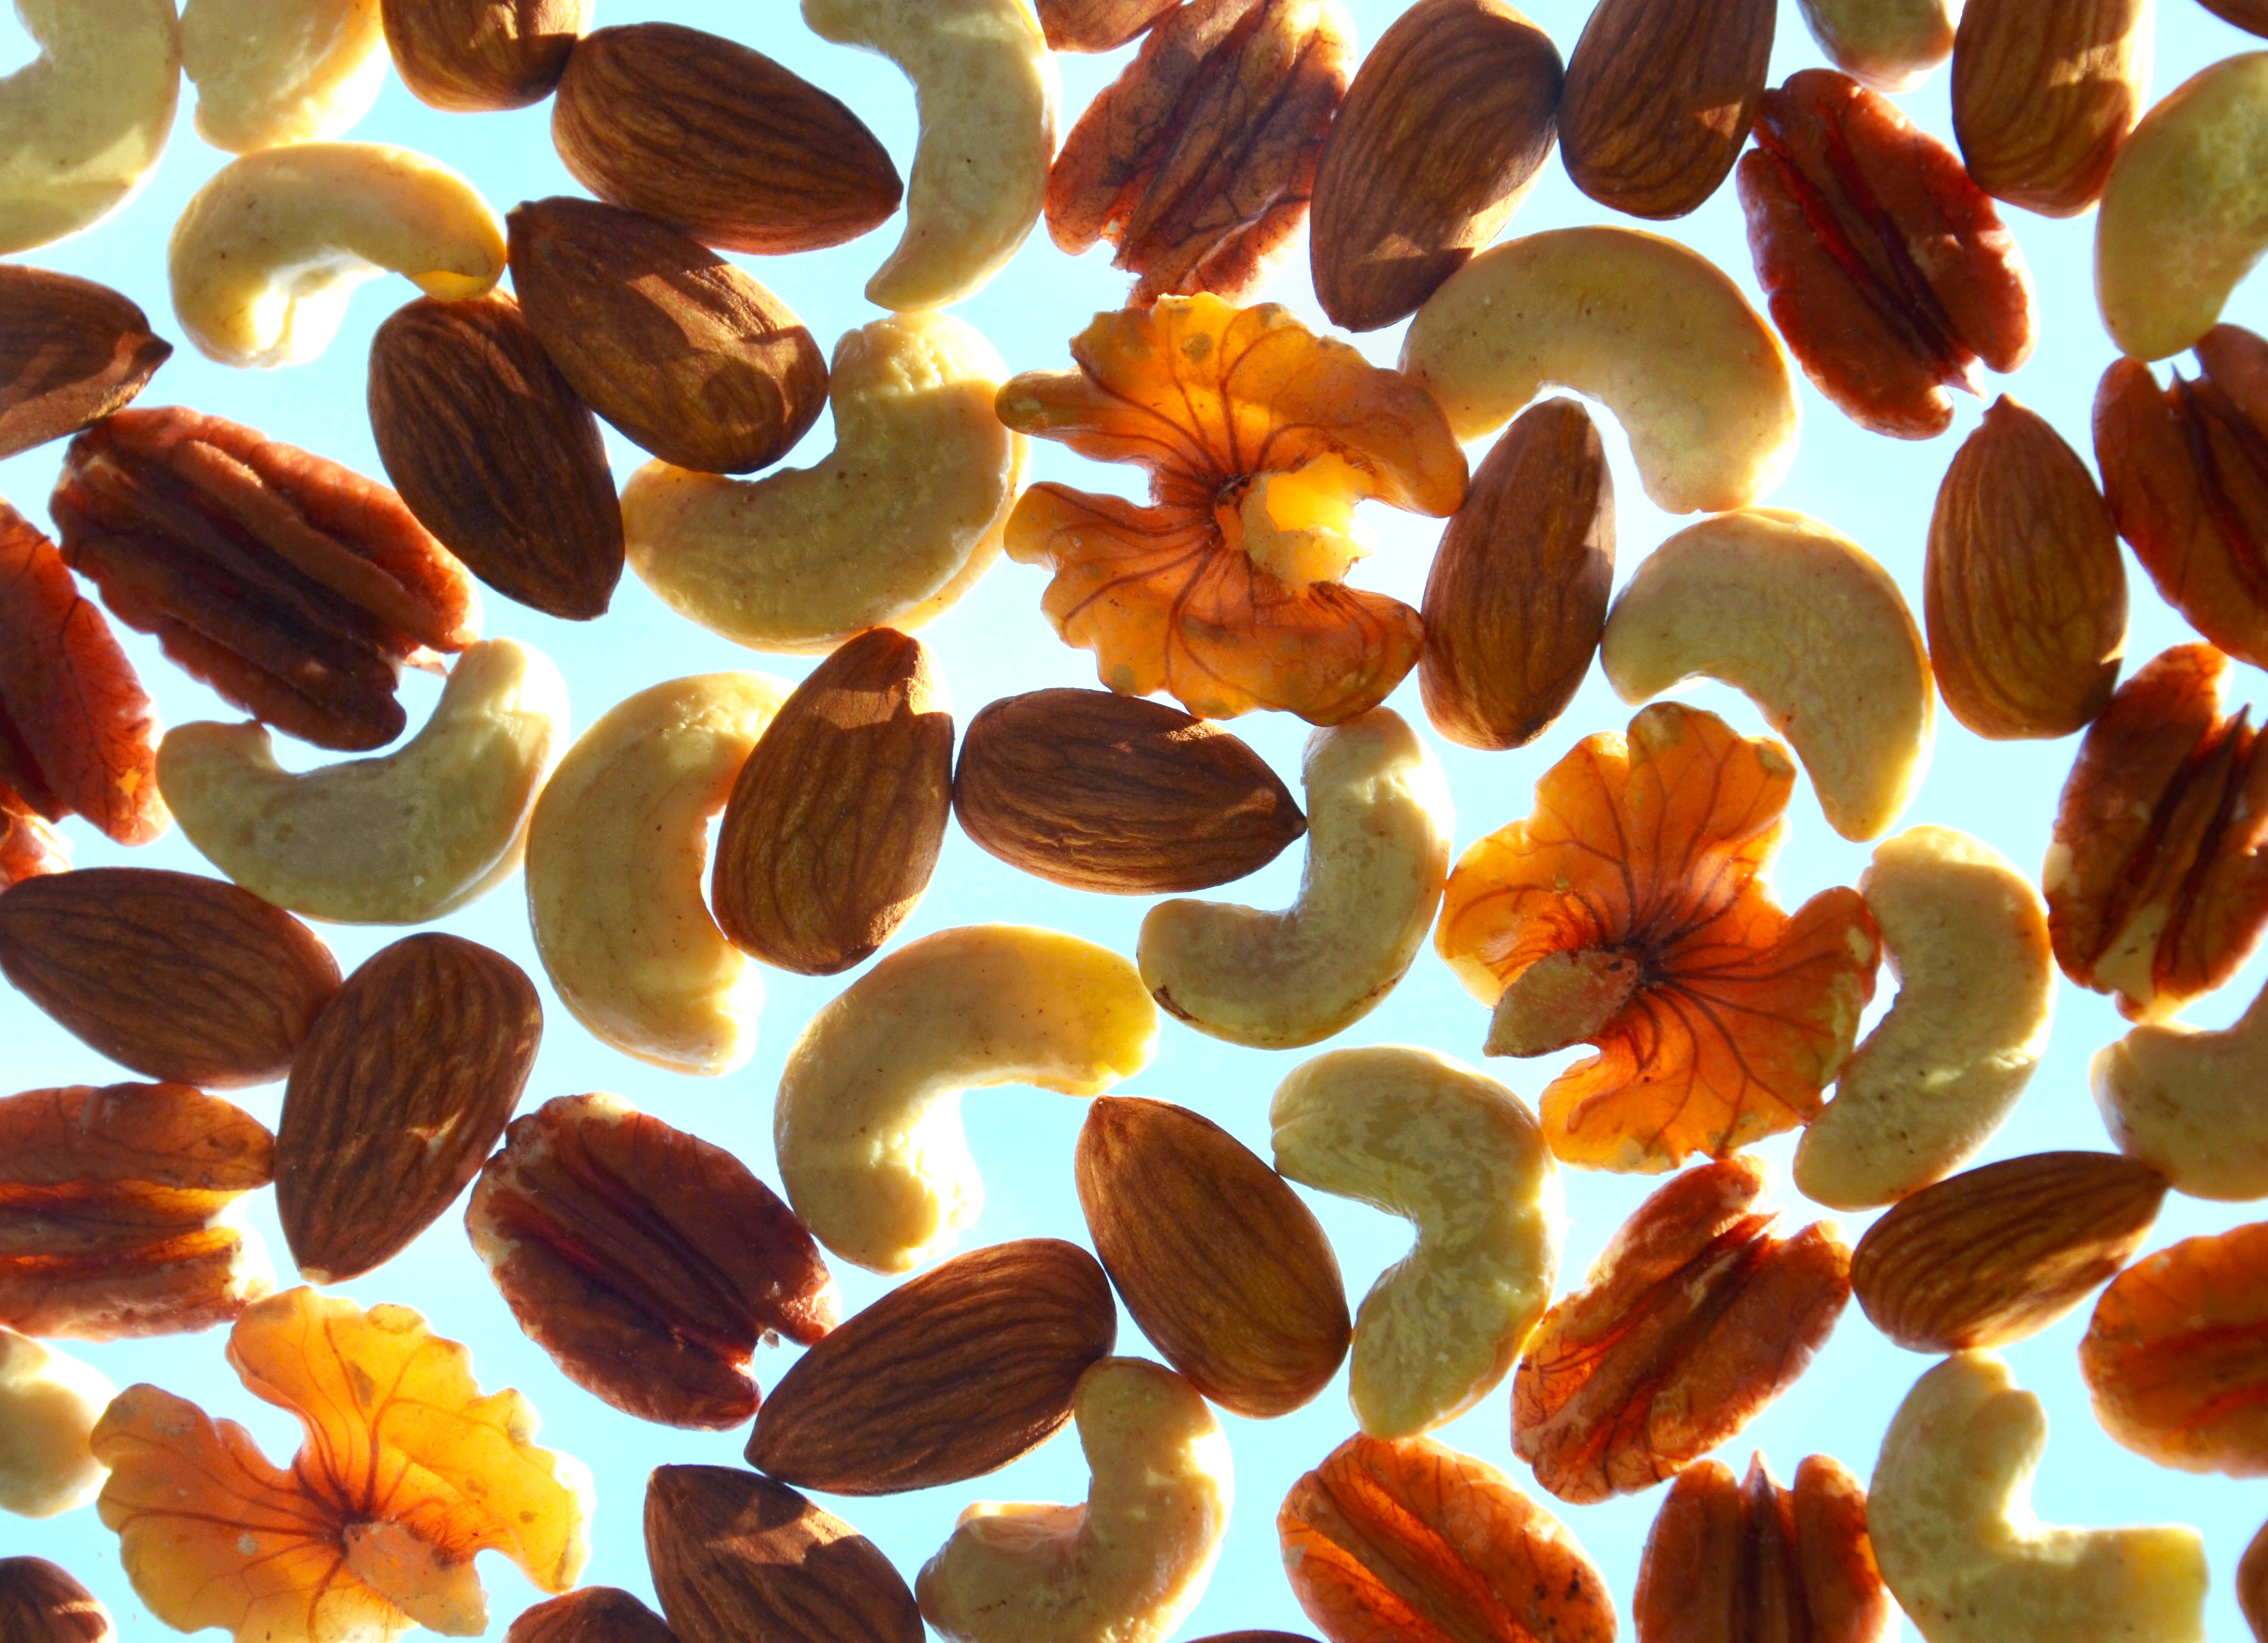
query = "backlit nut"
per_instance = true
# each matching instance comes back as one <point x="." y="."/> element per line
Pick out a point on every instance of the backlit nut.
<point x="890" y="530"/>
<point x="1651" y="330"/>
<point x="41" y="1603"/>
<point x="1417" y="1135"/>
<point x="2185" y="1101"/>
<point x="1103" y="25"/>
<point x="84" y="124"/>
<point x="71" y="352"/>
<point x="1966" y="1559"/>
<point x="590" y="1614"/>
<point x="2043" y="96"/>
<point x="266" y="255"/>
<point x="1379" y="823"/>
<point x="270" y="72"/>
<point x="1967" y="936"/>
<point x="867" y="1129"/>
<point x="617" y="853"/>
<point x="398" y="839"/>
<point x="1890" y="45"/>
<point x="1123" y="1568"/>
<point x="473" y="55"/>
<point x="48" y="1404"/>
<point x="1797" y="618"/>
<point x="2252" y="1568"/>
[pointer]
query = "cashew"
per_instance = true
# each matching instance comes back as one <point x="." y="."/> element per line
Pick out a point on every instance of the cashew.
<point x="395" y="840"/>
<point x="1123" y="1568"/>
<point x="48" y="1405"/>
<point x="1697" y="379"/>
<point x="1949" y="1511"/>
<point x="2184" y="213"/>
<point x="267" y="254"/>
<point x="1799" y="619"/>
<point x="274" y="71"/>
<point x="2186" y="1101"/>
<point x="1419" y="1135"/>
<point x="616" y="856"/>
<point x="896" y="524"/>
<point x="867" y="1131"/>
<point x="1379" y="824"/>
<point x="1889" y="44"/>
<point x="984" y="84"/>
<point x="83" y="123"/>
<point x="1967" y="936"/>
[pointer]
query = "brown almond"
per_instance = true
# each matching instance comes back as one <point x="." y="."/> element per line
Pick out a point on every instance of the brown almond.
<point x="71" y="352"/>
<point x="470" y="56"/>
<point x="949" y="1377"/>
<point x="2252" y="1567"/>
<point x="2044" y="95"/>
<point x="1109" y="793"/>
<point x="833" y="829"/>
<point x="183" y="978"/>
<point x="1097" y="25"/>
<point x="2252" y="15"/>
<point x="590" y="1614"/>
<point x="40" y="1602"/>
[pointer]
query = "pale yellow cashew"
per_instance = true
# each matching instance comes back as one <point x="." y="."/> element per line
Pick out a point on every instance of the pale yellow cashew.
<point x="274" y="71"/>
<point x="1889" y="44"/>
<point x="867" y="1129"/>
<point x="2186" y="1101"/>
<point x="1420" y="1136"/>
<point x="897" y="523"/>
<point x="267" y="254"/>
<point x="83" y="123"/>
<point x="48" y="1405"/>
<point x="617" y="853"/>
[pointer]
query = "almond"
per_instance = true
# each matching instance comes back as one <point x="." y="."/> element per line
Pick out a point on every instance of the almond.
<point x="590" y="1614"/>
<point x="71" y="352"/>
<point x="470" y="56"/>
<point x="41" y="1603"/>
<point x="2044" y="95"/>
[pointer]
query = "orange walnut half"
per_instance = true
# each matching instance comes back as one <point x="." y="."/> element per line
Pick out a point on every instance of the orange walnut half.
<point x="1630" y="911"/>
<point x="406" y="1471"/>
<point x="1260" y="437"/>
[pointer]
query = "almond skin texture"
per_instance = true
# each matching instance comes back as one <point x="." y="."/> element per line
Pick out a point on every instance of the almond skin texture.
<point x="183" y="978"/>
<point x="590" y="1614"/>
<point x="2044" y="95"/>
<point x="1226" y="1270"/>
<point x="949" y="1377"/>
<point x="469" y="56"/>
<point x="71" y="352"/>
<point x="40" y="1602"/>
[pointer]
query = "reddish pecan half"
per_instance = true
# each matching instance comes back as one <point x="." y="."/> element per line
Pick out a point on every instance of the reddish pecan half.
<point x="28" y="846"/>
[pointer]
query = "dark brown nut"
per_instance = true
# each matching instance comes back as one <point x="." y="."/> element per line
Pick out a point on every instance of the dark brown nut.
<point x="720" y="140"/>
<point x="2252" y="17"/>
<point x="2044" y="95"/>
<point x="112" y="1205"/>
<point x="71" y="352"/>
<point x="649" y="1264"/>
<point x="947" y="1377"/>
<point x="1888" y="272"/>
<point x="1097" y="25"/>
<point x="471" y="56"/>
<point x="1102" y="792"/>
<point x="496" y="454"/>
<point x="1198" y="160"/>
<point x="591" y="1614"/>
<point x="41" y="1603"/>
<point x="2252" y="1568"/>
<point x="293" y="587"/>
<point x="688" y="356"/>
<point x="28" y="846"/>
<point x="179" y="977"/>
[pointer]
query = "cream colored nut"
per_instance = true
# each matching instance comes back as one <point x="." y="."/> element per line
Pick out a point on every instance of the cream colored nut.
<point x="395" y="840"/>
<point x="1799" y="619"/>
<point x="1123" y="1568"/>
<point x="1379" y="823"/>
<point x="83" y="123"/>
<point x="274" y="71"/>
<point x="889" y="531"/>
<point x="1966" y="937"/>
<point x="1655" y="332"/>
<point x="1889" y="44"/>
<point x="867" y="1131"/>
<point x="2186" y="1101"/>
<point x="1423" y="1136"/>
<point x="48" y="1404"/>
<point x="1949" y="1513"/>
<point x="984" y="84"/>
<point x="617" y="853"/>
<point x="267" y="254"/>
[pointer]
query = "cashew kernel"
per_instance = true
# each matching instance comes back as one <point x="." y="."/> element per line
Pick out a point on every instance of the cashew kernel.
<point x="83" y="123"/>
<point x="1889" y="44"/>
<point x="270" y="72"/>
<point x="2186" y="1101"/>
<point x="48" y="1405"/>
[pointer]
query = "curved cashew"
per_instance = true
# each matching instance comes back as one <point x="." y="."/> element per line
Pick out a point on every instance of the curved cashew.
<point x="1123" y="1568"/>
<point x="1949" y="1511"/>
<point x="867" y="1131"/>
<point x="395" y="840"/>
<point x="48" y="1405"/>
<point x="1889" y="44"/>
<point x="1379" y="824"/>
<point x="83" y="123"/>
<point x="1800" y="620"/>
<point x="267" y="254"/>
<point x="898" y="522"/>
<point x="1419" y="1135"/>
<point x="616" y="854"/>
<point x="1966" y="937"/>
<point x="1697" y="379"/>
<point x="984" y="84"/>
<point x="2186" y="1101"/>
<point x="274" y="71"/>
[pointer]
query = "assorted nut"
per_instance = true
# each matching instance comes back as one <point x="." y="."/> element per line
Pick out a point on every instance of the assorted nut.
<point x="2043" y="97"/>
<point x="48" y="1405"/>
<point x="270" y="72"/>
<point x="71" y="352"/>
<point x="468" y="56"/>
<point x="2185" y="1101"/>
<point x="82" y="126"/>
<point x="41" y="1603"/>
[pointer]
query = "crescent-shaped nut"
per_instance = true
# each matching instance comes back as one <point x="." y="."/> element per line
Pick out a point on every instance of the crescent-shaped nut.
<point x="1417" y="1135"/>
<point x="867" y="1131"/>
<point x="48" y="1405"/>
<point x="395" y="840"/>
<point x="1966" y="935"/>
<point x="617" y="852"/>
<point x="266" y="255"/>
<point x="1890" y="45"/>
<point x="1799" y="619"/>
<point x="985" y="87"/>
<point x="2186" y="1101"/>
<point x="1653" y="331"/>
<point x="1948" y="1513"/>
<point x="889" y="531"/>
<point x="83" y="122"/>
<point x="270" y="72"/>
<point x="1379" y="826"/>
<point x="1123" y="1568"/>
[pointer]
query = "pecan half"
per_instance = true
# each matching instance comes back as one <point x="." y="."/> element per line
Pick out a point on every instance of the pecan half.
<point x="296" y="588"/>
<point x="1097" y="25"/>
<point x="28" y="846"/>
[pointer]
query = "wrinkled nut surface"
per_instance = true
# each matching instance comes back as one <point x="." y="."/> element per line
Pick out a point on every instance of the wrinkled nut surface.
<point x="590" y="1614"/>
<point x="83" y="122"/>
<point x="1648" y="327"/>
<point x="41" y="1603"/>
<point x="1103" y="25"/>
<point x="1890" y="45"/>
<point x="2185" y="1101"/>
<point x="270" y="72"/>
<point x="2043" y="96"/>
<point x="735" y="1556"/>
<point x="71" y="352"/>
<point x="474" y="56"/>
<point x="48" y="1405"/>
<point x="1417" y="1135"/>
